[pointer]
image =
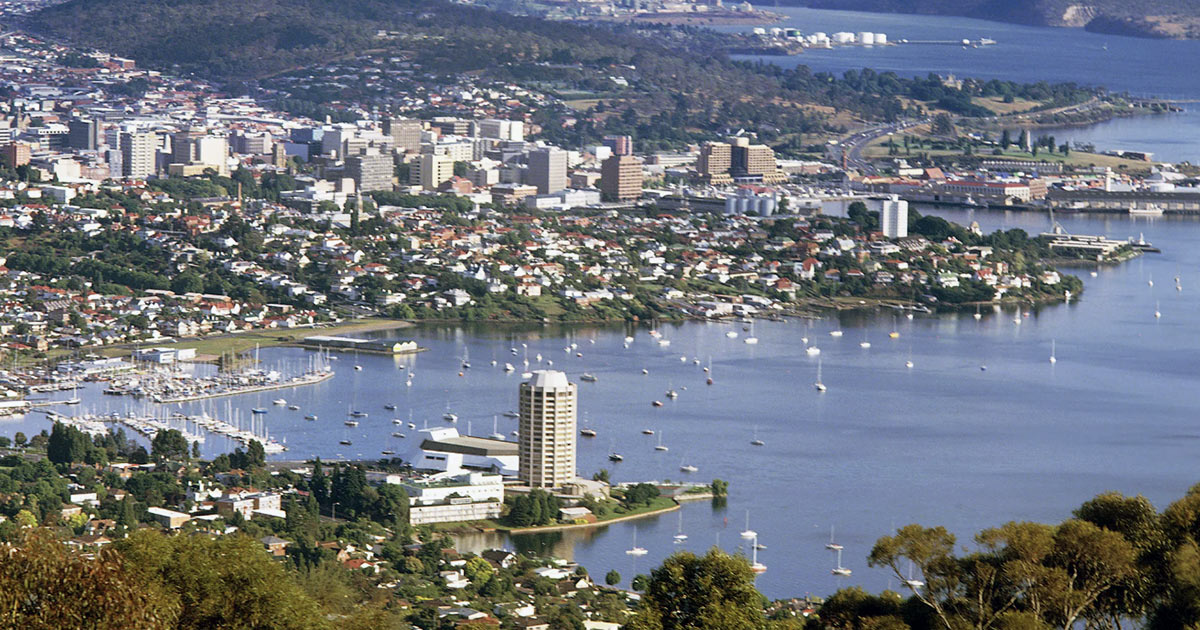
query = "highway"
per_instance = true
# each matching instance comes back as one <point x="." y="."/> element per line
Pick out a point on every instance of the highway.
<point x="853" y="145"/>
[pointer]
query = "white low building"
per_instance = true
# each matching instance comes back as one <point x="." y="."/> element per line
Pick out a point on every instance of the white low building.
<point x="443" y="450"/>
<point x="477" y="487"/>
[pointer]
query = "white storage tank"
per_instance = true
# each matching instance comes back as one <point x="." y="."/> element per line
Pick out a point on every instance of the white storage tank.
<point x="881" y="38"/>
<point x="843" y="37"/>
<point x="866" y="39"/>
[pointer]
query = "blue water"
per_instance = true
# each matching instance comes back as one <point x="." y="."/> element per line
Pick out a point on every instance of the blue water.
<point x="941" y="443"/>
<point x="1143" y="67"/>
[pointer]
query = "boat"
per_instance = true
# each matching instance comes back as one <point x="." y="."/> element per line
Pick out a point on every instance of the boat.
<point x="397" y="434"/>
<point x="311" y="417"/>
<point x="659" y="446"/>
<point x="258" y="410"/>
<point x="466" y="360"/>
<point x="636" y="550"/>
<point x="645" y="371"/>
<point x="388" y="452"/>
<point x="686" y="467"/>
<point x="450" y="417"/>
<point x="749" y="534"/>
<point x="412" y="425"/>
<point x="819" y="385"/>
<point x="657" y="403"/>
<point x="864" y="345"/>
<point x="390" y="407"/>
<point x="755" y="565"/>
<point x="279" y="402"/>
<point x="835" y="333"/>
<point x="350" y="423"/>
<point x="840" y="570"/>
<point x="358" y="368"/>
<point x="508" y="367"/>
<point x="1053" y="358"/>
<point x="756" y="441"/>
<point x="671" y="393"/>
<point x="732" y="334"/>
<point x="511" y="414"/>
<point x="496" y="434"/>
<point x="345" y="442"/>
<point x="1157" y="313"/>
<point x="812" y="351"/>
<point x="587" y="432"/>
<point x="908" y="363"/>
<point x="397" y="421"/>
<point x="647" y="431"/>
<point x="588" y="376"/>
<point x="615" y="457"/>
<point x="832" y="546"/>
<point x="629" y="340"/>
<point x="978" y="315"/>
<point x="751" y="339"/>
<point x="664" y="342"/>
<point x="679" y="536"/>
<point x="358" y="414"/>
<point x="911" y="582"/>
<point x="708" y="371"/>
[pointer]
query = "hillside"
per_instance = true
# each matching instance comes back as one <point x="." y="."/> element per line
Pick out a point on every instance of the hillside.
<point x="1149" y="18"/>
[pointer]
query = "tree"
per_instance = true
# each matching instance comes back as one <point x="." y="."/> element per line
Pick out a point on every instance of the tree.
<point x="188" y="282"/>
<point x="719" y="487"/>
<point x="227" y="582"/>
<point x="612" y="578"/>
<point x="943" y="125"/>
<point x="169" y="445"/>
<point x="930" y="551"/>
<point x="44" y="584"/>
<point x="19" y="439"/>
<point x="66" y="444"/>
<point x="714" y="591"/>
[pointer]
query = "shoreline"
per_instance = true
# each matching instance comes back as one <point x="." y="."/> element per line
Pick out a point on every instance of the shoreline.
<point x="557" y="528"/>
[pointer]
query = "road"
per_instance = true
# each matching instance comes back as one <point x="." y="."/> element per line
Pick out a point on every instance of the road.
<point x="853" y="145"/>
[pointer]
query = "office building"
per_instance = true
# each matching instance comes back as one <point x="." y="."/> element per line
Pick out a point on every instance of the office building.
<point x="83" y="134"/>
<point x="714" y="162"/>
<point x="139" y="150"/>
<point x="893" y="217"/>
<point x="371" y="171"/>
<point x="15" y="154"/>
<point x="621" y="178"/>
<point x="430" y="170"/>
<point x="405" y="132"/>
<point x="546" y="442"/>
<point x="754" y="162"/>
<point x="620" y="145"/>
<point x="513" y="130"/>
<point x="548" y="170"/>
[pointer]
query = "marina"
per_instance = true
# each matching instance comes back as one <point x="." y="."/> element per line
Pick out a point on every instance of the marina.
<point x="844" y="457"/>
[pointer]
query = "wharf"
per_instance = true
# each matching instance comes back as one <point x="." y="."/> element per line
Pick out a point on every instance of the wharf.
<point x="300" y="381"/>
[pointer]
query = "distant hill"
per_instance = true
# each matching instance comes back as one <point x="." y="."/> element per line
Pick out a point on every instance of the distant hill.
<point x="1144" y="18"/>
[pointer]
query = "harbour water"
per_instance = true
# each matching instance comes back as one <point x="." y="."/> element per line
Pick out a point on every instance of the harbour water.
<point x="941" y="443"/>
<point x="1142" y="67"/>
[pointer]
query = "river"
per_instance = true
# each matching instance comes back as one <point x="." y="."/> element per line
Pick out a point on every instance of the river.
<point x="1143" y="67"/>
<point x="941" y="443"/>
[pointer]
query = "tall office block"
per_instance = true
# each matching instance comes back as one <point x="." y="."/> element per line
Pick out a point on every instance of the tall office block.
<point x="138" y="153"/>
<point x="893" y="217"/>
<point x="371" y="171"/>
<point x="714" y="162"/>
<point x="546" y="442"/>
<point x="621" y="178"/>
<point x="620" y="145"/>
<point x="548" y="170"/>
<point x="405" y="132"/>
<point x="83" y="134"/>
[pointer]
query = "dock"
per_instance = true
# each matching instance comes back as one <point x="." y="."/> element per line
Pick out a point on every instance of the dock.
<point x="355" y="344"/>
